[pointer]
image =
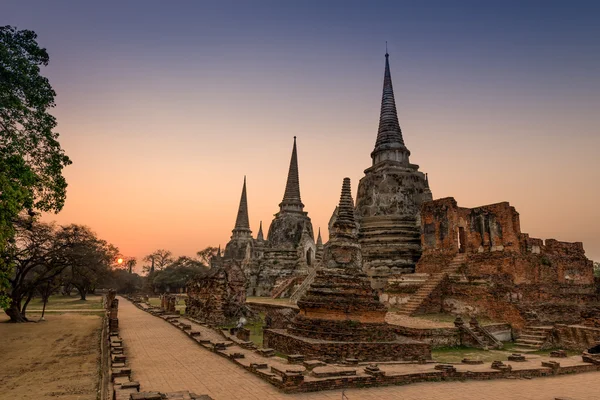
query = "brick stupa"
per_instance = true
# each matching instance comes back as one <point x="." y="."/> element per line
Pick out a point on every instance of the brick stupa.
<point x="340" y="315"/>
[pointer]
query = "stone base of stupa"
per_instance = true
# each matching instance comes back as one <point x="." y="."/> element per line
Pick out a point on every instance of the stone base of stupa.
<point x="400" y="349"/>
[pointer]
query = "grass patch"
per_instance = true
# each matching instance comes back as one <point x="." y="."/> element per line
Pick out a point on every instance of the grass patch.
<point x="66" y="303"/>
<point x="155" y="301"/>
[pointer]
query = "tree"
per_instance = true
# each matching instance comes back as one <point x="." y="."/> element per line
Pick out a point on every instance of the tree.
<point x="159" y="259"/>
<point x="176" y="275"/>
<point x="206" y="254"/>
<point x="38" y="254"/>
<point x="31" y="159"/>
<point x="46" y="290"/>
<point x="90" y="259"/>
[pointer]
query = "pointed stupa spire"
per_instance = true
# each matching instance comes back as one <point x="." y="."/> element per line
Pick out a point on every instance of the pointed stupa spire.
<point x="260" y="237"/>
<point x="345" y="224"/>
<point x="319" y="240"/>
<point x="242" y="224"/>
<point x="390" y="143"/>
<point x="291" y="198"/>
<point x="219" y="251"/>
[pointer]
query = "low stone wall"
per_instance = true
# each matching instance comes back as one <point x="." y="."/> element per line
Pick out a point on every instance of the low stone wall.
<point x="403" y="349"/>
<point x="289" y="376"/>
<point x="121" y="387"/>
<point x="450" y="337"/>
<point x="575" y="337"/>
<point x="436" y="338"/>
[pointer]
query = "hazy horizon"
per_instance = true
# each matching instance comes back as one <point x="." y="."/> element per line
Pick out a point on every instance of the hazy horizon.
<point x="164" y="108"/>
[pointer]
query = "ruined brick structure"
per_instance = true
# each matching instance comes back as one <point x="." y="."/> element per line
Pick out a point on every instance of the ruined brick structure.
<point x="390" y="196"/>
<point x="505" y="274"/>
<point x="218" y="295"/>
<point x="340" y="315"/>
<point x="289" y="249"/>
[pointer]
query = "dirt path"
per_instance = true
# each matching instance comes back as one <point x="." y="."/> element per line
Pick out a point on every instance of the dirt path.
<point x="163" y="358"/>
<point x="48" y="360"/>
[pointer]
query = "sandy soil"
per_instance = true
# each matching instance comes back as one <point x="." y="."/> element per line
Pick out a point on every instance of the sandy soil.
<point x="48" y="360"/>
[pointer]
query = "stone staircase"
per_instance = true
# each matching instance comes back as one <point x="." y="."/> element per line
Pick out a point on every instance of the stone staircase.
<point x="532" y="338"/>
<point x="282" y="287"/>
<point x="430" y="285"/>
<point x="304" y="286"/>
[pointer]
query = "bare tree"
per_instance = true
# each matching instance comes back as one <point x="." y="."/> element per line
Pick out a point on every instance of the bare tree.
<point x="160" y="259"/>
<point x="206" y="254"/>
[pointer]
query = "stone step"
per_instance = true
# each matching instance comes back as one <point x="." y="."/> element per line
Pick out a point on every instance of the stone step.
<point x="528" y="345"/>
<point x="523" y="350"/>
<point x="530" y="341"/>
<point x="533" y="337"/>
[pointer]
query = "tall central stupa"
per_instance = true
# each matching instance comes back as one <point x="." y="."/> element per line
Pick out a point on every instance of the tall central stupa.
<point x="389" y="197"/>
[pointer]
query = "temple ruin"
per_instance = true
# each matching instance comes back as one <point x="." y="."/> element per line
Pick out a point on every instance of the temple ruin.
<point x="340" y="315"/>
<point x="390" y="196"/>
<point x="279" y="262"/>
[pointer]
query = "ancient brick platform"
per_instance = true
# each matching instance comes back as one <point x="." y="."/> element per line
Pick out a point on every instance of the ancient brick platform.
<point x="399" y="349"/>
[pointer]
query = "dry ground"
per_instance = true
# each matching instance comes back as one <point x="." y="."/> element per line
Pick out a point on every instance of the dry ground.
<point x="48" y="360"/>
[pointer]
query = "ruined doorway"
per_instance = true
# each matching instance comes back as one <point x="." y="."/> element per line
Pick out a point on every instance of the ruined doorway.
<point x="309" y="256"/>
<point x="461" y="240"/>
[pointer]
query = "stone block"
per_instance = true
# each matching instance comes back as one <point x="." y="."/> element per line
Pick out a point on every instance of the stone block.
<point x="445" y="368"/>
<point x="116" y="372"/>
<point x="236" y="355"/>
<point x="468" y="361"/>
<point x="351" y="361"/>
<point x="295" y="358"/>
<point x="118" y="358"/>
<point x="266" y="352"/>
<point x="373" y="369"/>
<point x="558" y="354"/>
<point x="311" y="364"/>
<point x="551" y="364"/>
<point x="146" y="396"/>
<point x="259" y="366"/>
<point x="219" y="346"/>
<point x="131" y="385"/>
<point x="517" y="357"/>
<point x="195" y="333"/>
<point x="500" y="366"/>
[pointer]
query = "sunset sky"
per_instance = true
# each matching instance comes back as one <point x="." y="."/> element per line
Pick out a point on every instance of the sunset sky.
<point x="165" y="106"/>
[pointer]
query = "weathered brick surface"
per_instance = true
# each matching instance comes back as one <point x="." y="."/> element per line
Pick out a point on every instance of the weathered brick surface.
<point x="507" y="275"/>
<point x="158" y="351"/>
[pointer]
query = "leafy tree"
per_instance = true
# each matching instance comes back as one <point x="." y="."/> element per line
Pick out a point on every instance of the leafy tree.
<point x="89" y="260"/>
<point x="176" y="275"/>
<point x="31" y="159"/>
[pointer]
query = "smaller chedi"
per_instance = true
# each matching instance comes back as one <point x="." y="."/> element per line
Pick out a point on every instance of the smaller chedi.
<point x="340" y="316"/>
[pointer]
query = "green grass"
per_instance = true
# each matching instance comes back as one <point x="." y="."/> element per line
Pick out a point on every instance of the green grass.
<point x="66" y="303"/>
<point x="155" y="301"/>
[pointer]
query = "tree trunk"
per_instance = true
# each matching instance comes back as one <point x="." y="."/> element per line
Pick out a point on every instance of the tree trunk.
<point x="24" y="308"/>
<point x="82" y="294"/>
<point x="14" y="311"/>
<point x="44" y="307"/>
